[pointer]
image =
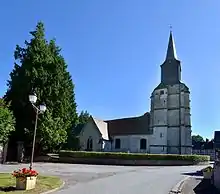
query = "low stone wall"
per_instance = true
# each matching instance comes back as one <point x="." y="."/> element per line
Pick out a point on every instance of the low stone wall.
<point x="128" y="162"/>
<point x="39" y="159"/>
<point x="42" y="159"/>
<point x="47" y="158"/>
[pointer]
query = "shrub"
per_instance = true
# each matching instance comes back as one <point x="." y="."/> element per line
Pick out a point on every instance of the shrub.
<point x="208" y="169"/>
<point x="133" y="156"/>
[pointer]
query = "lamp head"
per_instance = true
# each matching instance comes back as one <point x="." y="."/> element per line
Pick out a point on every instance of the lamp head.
<point x="43" y="107"/>
<point x="33" y="98"/>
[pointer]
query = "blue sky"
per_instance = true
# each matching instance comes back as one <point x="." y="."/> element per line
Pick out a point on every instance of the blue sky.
<point x="114" y="49"/>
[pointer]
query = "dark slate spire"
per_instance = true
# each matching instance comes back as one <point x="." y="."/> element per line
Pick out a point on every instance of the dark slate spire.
<point x="171" y="50"/>
<point x="171" y="69"/>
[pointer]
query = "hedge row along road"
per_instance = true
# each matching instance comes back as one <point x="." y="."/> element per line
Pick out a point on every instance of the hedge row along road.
<point x="102" y="156"/>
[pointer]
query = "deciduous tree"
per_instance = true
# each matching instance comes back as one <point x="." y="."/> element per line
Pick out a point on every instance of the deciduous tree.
<point x="7" y="122"/>
<point x="197" y="138"/>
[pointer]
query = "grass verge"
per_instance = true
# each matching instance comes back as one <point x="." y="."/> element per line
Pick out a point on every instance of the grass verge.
<point x="44" y="183"/>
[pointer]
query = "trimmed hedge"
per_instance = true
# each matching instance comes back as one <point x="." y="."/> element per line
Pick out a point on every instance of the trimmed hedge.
<point x="133" y="156"/>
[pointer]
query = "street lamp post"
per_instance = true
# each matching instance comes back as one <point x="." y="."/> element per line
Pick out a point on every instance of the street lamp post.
<point x="41" y="109"/>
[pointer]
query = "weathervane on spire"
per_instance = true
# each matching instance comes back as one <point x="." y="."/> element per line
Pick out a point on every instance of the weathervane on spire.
<point x="171" y="28"/>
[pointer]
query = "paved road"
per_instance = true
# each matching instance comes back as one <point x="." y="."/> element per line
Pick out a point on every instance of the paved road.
<point x="94" y="179"/>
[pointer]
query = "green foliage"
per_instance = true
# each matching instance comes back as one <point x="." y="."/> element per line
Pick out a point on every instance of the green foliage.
<point x="197" y="138"/>
<point x="40" y="66"/>
<point x="51" y="133"/>
<point x="83" y="117"/>
<point x="132" y="156"/>
<point x="73" y="140"/>
<point x="7" y="121"/>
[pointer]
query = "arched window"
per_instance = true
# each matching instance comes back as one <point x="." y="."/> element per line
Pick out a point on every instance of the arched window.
<point x="89" y="144"/>
<point x="117" y="143"/>
<point x="143" y="144"/>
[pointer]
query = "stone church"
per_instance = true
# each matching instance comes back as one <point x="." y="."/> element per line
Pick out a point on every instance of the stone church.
<point x="166" y="129"/>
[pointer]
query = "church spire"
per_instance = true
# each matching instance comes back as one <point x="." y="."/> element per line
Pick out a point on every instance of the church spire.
<point x="171" y="50"/>
<point x="171" y="68"/>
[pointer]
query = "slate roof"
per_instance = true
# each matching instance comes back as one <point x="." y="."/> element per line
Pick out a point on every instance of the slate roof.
<point x="171" y="50"/>
<point x="162" y="86"/>
<point x="125" y="126"/>
<point x="130" y="126"/>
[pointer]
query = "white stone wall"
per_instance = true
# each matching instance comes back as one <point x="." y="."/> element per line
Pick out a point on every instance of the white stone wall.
<point x="90" y="131"/>
<point x="173" y="117"/>
<point x="158" y="141"/>
<point x="159" y="99"/>
<point x="130" y="143"/>
<point x="173" y="140"/>
<point x="173" y="100"/>
<point x="107" y="146"/>
<point x="160" y="117"/>
<point x="170" y="113"/>
<point x="187" y="99"/>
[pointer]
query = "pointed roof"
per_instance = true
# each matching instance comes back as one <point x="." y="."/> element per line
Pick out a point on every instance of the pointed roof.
<point x="102" y="126"/>
<point x="171" y="50"/>
<point x="99" y="124"/>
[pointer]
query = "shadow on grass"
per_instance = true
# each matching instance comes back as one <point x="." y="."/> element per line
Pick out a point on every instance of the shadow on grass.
<point x="7" y="189"/>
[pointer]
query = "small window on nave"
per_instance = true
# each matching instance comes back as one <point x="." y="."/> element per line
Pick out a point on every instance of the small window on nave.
<point x="143" y="144"/>
<point x="117" y="143"/>
<point x="161" y="92"/>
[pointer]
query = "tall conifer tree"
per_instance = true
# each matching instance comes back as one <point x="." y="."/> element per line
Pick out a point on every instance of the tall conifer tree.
<point x="40" y="67"/>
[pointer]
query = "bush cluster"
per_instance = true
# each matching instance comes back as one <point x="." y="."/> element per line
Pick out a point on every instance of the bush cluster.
<point x="133" y="156"/>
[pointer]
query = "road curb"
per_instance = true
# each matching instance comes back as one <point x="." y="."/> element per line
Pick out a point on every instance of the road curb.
<point x="56" y="189"/>
<point x="177" y="189"/>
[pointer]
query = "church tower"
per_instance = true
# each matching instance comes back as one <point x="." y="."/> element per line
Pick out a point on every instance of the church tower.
<point x="170" y="109"/>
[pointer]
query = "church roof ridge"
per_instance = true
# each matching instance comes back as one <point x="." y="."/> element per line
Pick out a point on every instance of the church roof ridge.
<point x="97" y="118"/>
<point x="127" y="118"/>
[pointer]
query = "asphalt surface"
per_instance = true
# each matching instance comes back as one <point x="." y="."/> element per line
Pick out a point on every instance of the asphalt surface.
<point x="197" y="185"/>
<point x="95" y="179"/>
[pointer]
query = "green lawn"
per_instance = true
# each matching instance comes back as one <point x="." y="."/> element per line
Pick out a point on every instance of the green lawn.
<point x="44" y="183"/>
